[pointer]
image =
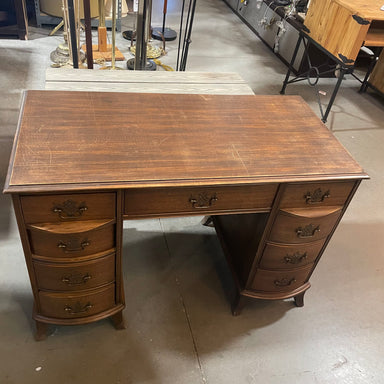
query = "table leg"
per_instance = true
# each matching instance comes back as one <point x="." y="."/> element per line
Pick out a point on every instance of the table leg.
<point x="282" y="92"/>
<point x="334" y="93"/>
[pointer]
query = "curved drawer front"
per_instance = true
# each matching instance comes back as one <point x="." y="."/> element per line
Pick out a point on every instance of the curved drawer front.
<point x="198" y="200"/>
<point x="74" y="305"/>
<point x="290" y="256"/>
<point x="75" y="276"/>
<point x="80" y="206"/>
<point x="59" y="245"/>
<point x="307" y="195"/>
<point x="280" y="281"/>
<point x="292" y="228"/>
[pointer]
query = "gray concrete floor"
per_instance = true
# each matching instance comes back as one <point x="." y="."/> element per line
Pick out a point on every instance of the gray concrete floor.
<point x="179" y="325"/>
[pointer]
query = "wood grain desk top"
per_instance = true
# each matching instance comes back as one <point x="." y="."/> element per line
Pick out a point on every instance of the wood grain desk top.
<point x="367" y="9"/>
<point x="90" y="140"/>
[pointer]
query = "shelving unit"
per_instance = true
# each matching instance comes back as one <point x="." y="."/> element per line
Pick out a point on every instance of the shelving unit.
<point x="20" y="29"/>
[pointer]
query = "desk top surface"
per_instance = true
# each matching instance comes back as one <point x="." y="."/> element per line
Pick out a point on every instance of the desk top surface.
<point x="91" y="140"/>
<point x="368" y="9"/>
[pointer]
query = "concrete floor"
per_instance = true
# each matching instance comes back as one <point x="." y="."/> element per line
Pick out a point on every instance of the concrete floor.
<point x="179" y="325"/>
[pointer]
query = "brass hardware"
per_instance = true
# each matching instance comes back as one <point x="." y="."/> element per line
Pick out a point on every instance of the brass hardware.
<point x="307" y="231"/>
<point x="78" y="308"/>
<point x="70" y="209"/>
<point x="284" y="282"/>
<point x="203" y="201"/>
<point x="76" y="279"/>
<point x="317" y="196"/>
<point x="73" y="245"/>
<point x="296" y="258"/>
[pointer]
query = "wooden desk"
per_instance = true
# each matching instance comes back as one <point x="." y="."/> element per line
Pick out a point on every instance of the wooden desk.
<point x="342" y="27"/>
<point x="276" y="181"/>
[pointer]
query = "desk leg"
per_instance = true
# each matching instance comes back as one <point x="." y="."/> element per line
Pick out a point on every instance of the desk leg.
<point x="299" y="299"/>
<point x="41" y="331"/>
<point x="238" y="304"/>
<point x="118" y="320"/>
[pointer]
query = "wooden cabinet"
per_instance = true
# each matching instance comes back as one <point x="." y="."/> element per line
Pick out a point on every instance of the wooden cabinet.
<point x="73" y="256"/>
<point x="342" y="27"/>
<point x="279" y="251"/>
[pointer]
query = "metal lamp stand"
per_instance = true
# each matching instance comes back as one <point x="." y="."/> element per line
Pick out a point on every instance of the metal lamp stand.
<point x="162" y="33"/>
<point x="140" y="62"/>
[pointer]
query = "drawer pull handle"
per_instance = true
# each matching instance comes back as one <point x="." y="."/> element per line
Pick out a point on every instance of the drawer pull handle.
<point x="316" y="197"/>
<point x="76" y="279"/>
<point x="69" y="209"/>
<point x="78" y="308"/>
<point x="296" y="258"/>
<point x="203" y="201"/>
<point x="307" y="231"/>
<point x="73" y="246"/>
<point x="284" y="282"/>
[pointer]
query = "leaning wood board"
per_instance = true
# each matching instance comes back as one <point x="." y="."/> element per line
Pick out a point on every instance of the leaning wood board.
<point x="377" y="76"/>
<point x="146" y="82"/>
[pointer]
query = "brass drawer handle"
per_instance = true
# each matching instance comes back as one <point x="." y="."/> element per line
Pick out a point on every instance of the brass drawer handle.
<point x="78" y="308"/>
<point x="307" y="231"/>
<point x="316" y="197"/>
<point x="70" y="209"/>
<point x="296" y="258"/>
<point x="203" y="201"/>
<point x="76" y="279"/>
<point x="73" y="246"/>
<point x="284" y="282"/>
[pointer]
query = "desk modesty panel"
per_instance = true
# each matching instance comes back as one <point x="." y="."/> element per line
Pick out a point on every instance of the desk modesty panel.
<point x="273" y="177"/>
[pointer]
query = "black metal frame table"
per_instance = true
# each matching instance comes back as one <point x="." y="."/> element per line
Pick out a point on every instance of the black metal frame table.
<point x="313" y="74"/>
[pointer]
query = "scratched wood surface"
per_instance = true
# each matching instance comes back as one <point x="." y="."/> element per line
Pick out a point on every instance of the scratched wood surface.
<point x="146" y="82"/>
<point x="367" y="9"/>
<point x="85" y="140"/>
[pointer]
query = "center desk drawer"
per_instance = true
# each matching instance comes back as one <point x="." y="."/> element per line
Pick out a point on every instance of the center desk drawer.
<point x="198" y="200"/>
<point x="71" y="207"/>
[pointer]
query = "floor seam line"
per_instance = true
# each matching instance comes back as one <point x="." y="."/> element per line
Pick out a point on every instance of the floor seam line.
<point x="204" y="380"/>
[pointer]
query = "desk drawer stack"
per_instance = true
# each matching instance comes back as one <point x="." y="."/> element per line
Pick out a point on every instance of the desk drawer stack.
<point x="278" y="263"/>
<point x="71" y="255"/>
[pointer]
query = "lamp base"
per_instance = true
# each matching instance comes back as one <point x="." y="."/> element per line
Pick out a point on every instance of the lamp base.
<point x="169" y="34"/>
<point x="150" y="66"/>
